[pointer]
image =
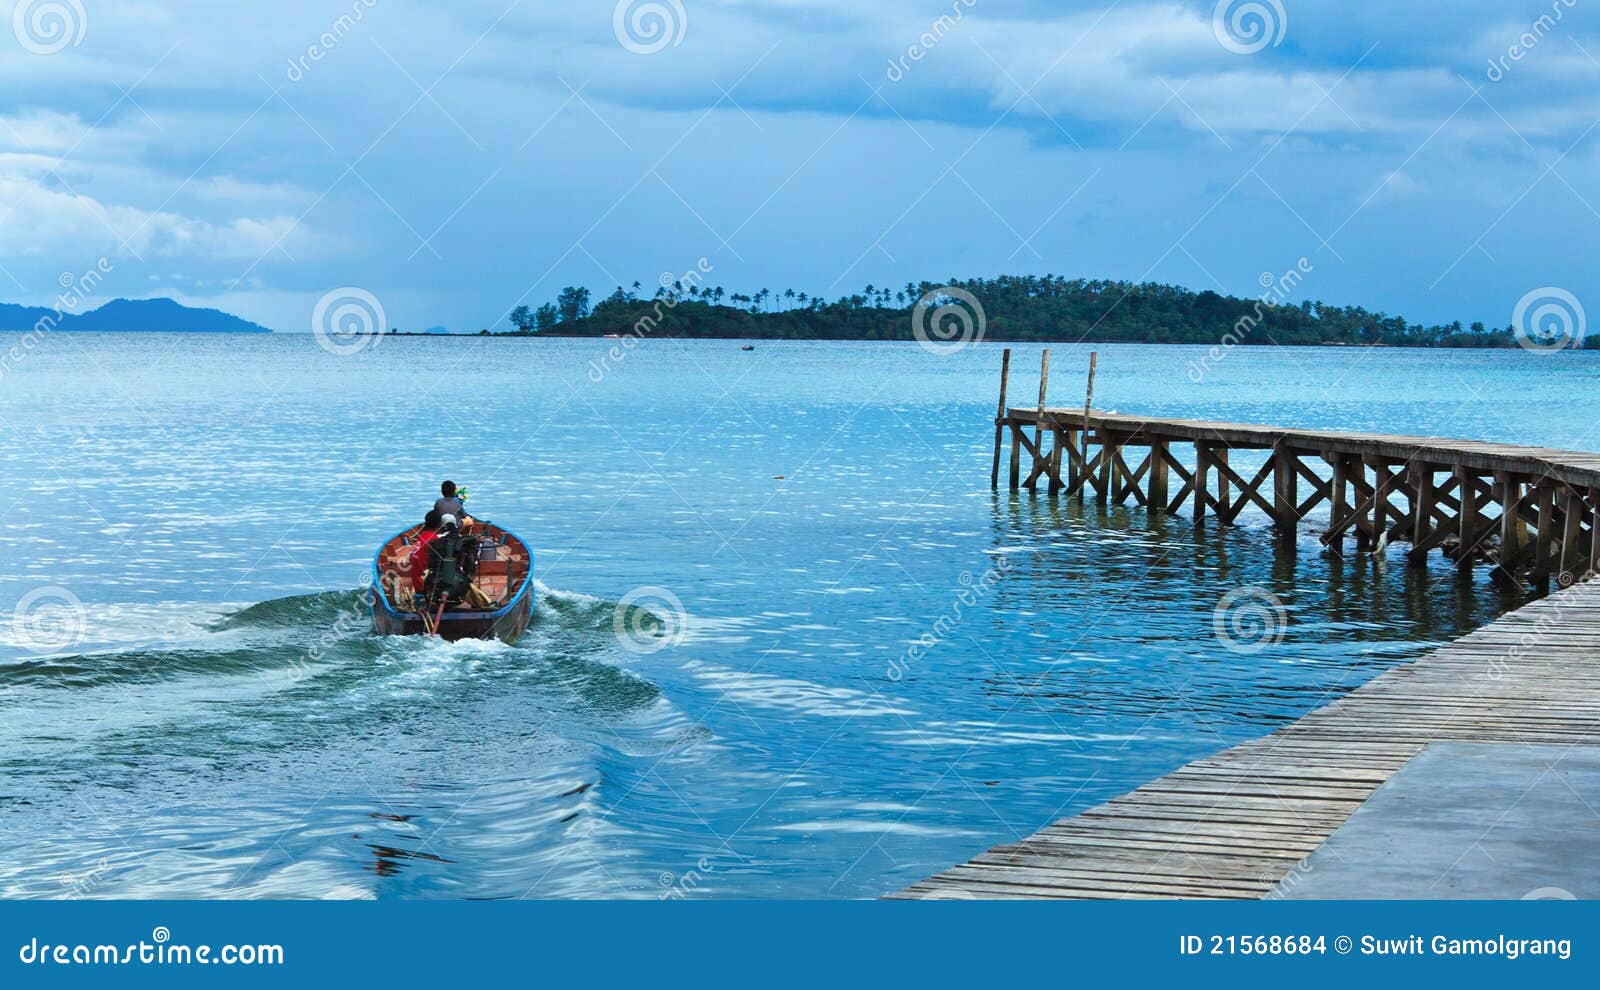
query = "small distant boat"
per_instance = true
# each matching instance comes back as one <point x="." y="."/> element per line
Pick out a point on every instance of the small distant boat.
<point x="611" y="336"/>
<point x="499" y="606"/>
<point x="748" y="347"/>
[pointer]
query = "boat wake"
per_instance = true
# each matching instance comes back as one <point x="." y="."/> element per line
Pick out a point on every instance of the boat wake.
<point x="301" y="637"/>
<point x="328" y="760"/>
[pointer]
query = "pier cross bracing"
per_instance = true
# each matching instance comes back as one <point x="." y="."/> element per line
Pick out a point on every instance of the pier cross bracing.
<point x="1528" y="512"/>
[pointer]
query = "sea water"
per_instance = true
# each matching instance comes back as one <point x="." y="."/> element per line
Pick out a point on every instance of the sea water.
<point x="787" y="641"/>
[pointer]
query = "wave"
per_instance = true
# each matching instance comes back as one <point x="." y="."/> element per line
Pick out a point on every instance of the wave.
<point x="304" y="636"/>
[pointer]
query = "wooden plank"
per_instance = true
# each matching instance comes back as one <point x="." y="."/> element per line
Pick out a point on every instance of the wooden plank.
<point x="1231" y="825"/>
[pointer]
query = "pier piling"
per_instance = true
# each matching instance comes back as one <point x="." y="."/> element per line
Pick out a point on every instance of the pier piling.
<point x="1528" y="512"/>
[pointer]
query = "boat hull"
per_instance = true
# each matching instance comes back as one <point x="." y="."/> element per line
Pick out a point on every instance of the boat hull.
<point x="506" y="625"/>
<point x="508" y="578"/>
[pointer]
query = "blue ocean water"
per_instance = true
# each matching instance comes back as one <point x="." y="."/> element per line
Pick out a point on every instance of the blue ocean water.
<point x="788" y="643"/>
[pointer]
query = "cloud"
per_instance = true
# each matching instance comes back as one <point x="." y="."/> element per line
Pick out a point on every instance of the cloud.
<point x="36" y="219"/>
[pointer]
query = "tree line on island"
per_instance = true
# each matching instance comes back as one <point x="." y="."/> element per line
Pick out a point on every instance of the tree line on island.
<point x="1014" y="308"/>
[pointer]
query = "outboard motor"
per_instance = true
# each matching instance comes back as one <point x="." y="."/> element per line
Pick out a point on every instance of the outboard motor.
<point x="452" y="567"/>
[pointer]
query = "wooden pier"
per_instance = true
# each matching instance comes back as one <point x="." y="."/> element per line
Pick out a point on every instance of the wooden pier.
<point x="1528" y="512"/>
<point x="1233" y="825"/>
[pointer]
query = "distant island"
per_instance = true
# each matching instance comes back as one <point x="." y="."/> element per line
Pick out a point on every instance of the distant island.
<point x="1015" y="307"/>
<point x="128" y="315"/>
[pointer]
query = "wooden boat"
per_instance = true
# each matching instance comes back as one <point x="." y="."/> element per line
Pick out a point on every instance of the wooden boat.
<point x="505" y="578"/>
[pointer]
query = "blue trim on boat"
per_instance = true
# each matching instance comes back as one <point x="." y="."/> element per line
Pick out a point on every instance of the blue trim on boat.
<point x="378" y="597"/>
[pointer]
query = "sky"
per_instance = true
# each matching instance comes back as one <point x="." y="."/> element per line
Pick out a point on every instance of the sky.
<point x="1434" y="159"/>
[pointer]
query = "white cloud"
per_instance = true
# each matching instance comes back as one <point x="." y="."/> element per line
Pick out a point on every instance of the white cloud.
<point x="37" y="219"/>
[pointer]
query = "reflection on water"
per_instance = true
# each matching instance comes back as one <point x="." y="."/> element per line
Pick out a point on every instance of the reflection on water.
<point x="882" y="667"/>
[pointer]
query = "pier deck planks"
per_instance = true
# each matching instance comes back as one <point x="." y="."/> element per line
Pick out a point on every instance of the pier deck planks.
<point x="1232" y="825"/>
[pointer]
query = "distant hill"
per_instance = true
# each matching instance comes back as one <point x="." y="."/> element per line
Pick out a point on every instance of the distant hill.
<point x="132" y="315"/>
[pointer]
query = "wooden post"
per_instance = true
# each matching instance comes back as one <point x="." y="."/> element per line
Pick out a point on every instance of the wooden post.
<point x="1571" y="530"/>
<point x="1467" y="526"/>
<point x="1220" y="454"/>
<point x="1057" y="441"/>
<point x="1000" y="418"/>
<point x="1285" y="488"/>
<point x="1340" y="511"/>
<point x="1088" y="403"/>
<point x="1594" y="532"/>
<point x="1016" y="456"/>
<point x="1202" y="482"/>
<point x="1156" y="491"/>
<point x="1108" y="446"/>
<point x="1510" y="525"/>
<point x="1421" y="513"/>
<point x="1545" y="538"/>
<point x="1038" y="426"/>
<point x="1370" y="517"/>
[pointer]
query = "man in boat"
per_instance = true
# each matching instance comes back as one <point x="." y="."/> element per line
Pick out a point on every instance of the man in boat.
<point x="451" y="502"/>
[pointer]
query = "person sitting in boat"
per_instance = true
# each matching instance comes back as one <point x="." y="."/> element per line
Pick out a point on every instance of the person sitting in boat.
<point x="419" y="550"/>
<point x="452" y="502"/>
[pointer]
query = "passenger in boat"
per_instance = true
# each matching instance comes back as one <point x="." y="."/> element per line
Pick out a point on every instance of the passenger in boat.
<point x="419" y="550"/>
<point x="451" y="503"/>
